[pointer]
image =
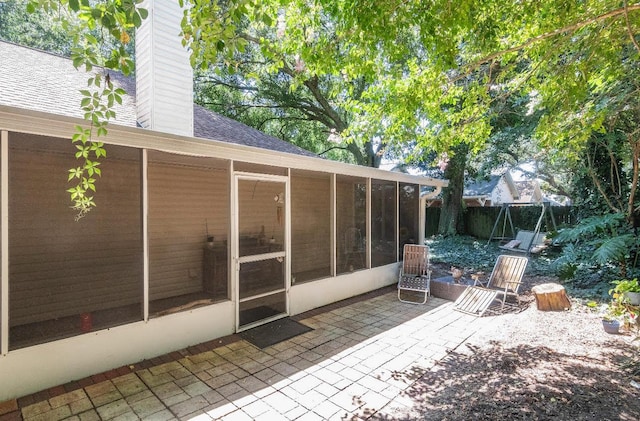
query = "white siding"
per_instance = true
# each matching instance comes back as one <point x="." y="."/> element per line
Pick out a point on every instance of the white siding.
<point x="501" y="193"/>
<point x="43" y="366"/>
<point x="164" y="77"/>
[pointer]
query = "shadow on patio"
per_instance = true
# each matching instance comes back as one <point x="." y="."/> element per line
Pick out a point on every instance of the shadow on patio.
<point x="524" y="382"/>
<point x="360" y="357"/>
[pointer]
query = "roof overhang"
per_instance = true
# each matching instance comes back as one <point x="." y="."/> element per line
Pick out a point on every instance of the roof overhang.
<point x="46" y="124"/>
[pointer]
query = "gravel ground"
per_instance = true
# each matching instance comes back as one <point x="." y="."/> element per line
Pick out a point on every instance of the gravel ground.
<point x="534" y="365"/>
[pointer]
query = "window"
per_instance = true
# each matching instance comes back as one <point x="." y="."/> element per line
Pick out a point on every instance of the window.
<point x="409" y="215"/>
<point x="188" y="231"/>
<point x="383" y="223"/>
<point x="68" y="277"/>
<point x="310" y="226"/>
<point x="351" y="217"/>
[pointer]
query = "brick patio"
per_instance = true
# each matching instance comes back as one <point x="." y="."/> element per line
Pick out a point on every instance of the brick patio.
<point x="358" y="361"/>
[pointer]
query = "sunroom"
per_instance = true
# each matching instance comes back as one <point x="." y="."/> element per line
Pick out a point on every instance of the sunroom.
<point x="192" y="239"/>
<point x="203" y="227"/>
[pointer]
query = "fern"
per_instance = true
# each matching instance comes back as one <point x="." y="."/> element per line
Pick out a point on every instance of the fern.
<point x="590" y="226"/>
<point x="597" y="242"/>
<point x="613" y="249"/>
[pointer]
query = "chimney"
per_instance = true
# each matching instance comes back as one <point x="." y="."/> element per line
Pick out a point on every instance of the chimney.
<point x="164" y="77"/>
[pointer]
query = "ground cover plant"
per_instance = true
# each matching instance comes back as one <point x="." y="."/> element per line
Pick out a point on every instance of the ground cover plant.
<point x="472" y="255"/>
<point x="531" y="365"/>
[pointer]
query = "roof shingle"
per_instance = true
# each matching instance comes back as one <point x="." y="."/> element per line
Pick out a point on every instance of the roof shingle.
<point x="39" y="81"/>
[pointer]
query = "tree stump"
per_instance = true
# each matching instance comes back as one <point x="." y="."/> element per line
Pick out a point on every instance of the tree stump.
<point x="551" y="297"/>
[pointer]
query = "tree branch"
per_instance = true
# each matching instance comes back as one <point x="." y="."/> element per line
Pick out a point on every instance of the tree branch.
<point x="635" y="148"/>
<point x="569" y="28"/>
<point x="286" y="118"/>
<point x="626" y="18"/>
<point x="596" y="182"/>
<point x="312" y="85"/>
<point x="548" y="178"/>
<point x="217" y="81"/>
<point x="241" y="106"/>
<point x="342" y="148"/>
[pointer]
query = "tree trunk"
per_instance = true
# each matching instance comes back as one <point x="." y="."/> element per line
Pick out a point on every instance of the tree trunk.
<point x="451" y="210"/>
<point x="551" y="297"/>
<point x="373" y="159"/>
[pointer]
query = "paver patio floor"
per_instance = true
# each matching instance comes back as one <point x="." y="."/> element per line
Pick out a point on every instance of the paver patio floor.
<point x="358" y="361"/>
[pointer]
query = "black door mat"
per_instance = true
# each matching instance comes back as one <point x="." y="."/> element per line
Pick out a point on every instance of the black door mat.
<point x="274" y="332"/>
<point x="251" y="315"/>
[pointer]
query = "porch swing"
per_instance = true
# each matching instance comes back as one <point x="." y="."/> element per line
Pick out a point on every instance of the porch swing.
<point x="524" y="241"/>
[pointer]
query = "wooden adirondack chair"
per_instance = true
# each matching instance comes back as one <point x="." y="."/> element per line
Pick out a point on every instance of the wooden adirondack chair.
<point x="504" y="281"/>
<point x="415" y="274"/>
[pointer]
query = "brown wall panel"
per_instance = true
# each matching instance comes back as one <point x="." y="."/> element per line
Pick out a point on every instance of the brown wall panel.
<point x="61" y="267"/>
<point x="311" y="223"/>
<point x="185" y="202"/>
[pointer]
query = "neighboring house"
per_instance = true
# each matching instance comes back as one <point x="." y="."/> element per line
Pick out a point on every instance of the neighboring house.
<point x="498" y="189"/>
<point x="204" y="226"/>
<point x="530" y="191"/>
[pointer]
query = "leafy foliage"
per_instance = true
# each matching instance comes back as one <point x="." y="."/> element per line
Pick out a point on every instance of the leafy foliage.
<point x="310" y="115"/>
<point x="422" y="56"/>
<point x="599" y="244"/>
<point x="436" y="76"/>
<point x="471" y="254"/>
<point x="35" y="29"/>
<point x="98" y="36"/>
<point x="462" y="251"/>
<point x="270" y="86"/>
<point x="89" y="151"/>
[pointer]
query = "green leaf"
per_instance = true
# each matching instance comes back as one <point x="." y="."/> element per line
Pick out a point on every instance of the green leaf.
<point x="77" y="61"/>
<point x="107" y="22"/>
<point x="137" y="20"/>
<point x="612" y="249"/>
<point x="75" y="173"/>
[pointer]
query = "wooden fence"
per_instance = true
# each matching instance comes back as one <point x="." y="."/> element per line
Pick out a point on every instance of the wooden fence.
<point x="479" y="221"/>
